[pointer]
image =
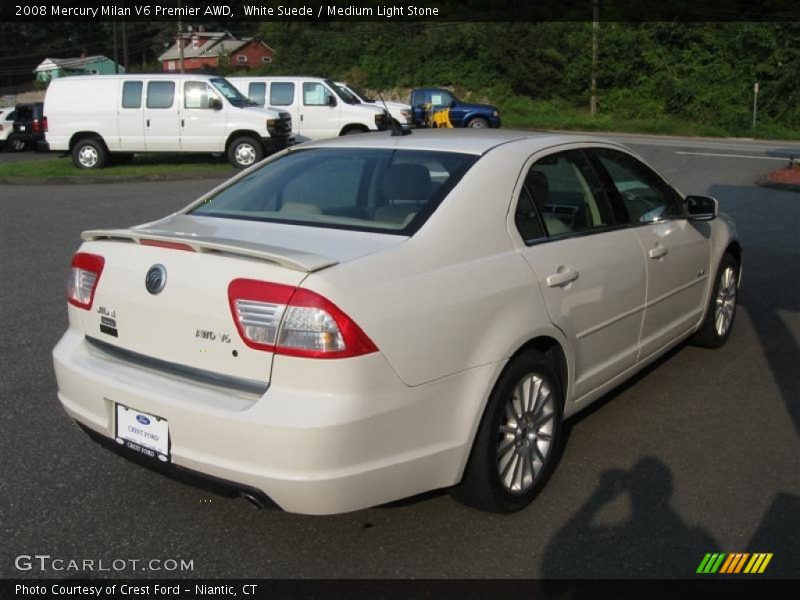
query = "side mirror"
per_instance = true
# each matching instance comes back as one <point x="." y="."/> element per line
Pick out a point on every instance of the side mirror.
<point x="702" y="208"/>
<point x="331" y="101"/>
<point x="452" y="104"/>
<point x="215" y="103"/>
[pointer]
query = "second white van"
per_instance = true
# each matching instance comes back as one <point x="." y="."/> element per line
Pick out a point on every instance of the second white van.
<point x="320" y="109"/>
<point x="100" y="118"/>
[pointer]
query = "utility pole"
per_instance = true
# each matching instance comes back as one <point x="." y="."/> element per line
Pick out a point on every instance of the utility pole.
<point x="125" y="45"/>
<point x="180" y="34"/>
<point x="116" y="54"/>
<point x="595" y="30"/>
<point x="755" y="103"/>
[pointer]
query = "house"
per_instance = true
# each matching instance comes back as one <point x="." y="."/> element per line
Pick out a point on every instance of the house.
<point x="202" y="50"/>
<point x="51" y="68"/>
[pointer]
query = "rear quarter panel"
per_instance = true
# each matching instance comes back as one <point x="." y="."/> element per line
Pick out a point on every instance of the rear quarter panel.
<point x="73" y="105"/>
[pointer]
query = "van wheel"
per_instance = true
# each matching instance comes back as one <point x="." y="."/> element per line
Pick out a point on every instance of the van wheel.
<point x="519" y="438"/>
<point x="89" y="154"/>
<point x="244" y="152"/>
<point x="354" y="131"/>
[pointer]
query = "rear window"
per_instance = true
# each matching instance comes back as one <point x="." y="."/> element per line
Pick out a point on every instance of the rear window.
<point x="382" y="190"/>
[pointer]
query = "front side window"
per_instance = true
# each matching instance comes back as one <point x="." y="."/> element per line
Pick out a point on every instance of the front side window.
<point x="160" y="94"/>
<point x="132" y="94"/>
<point x="232" y="95"/>
<point x="567" y="194"/>
<point x="647" y="198"/>
<point x="281" y="94"/>
<point x="316" y="94"/>
<point x="197" y="94"/>
<point x="381" y="190"/>
<point x="257" y="92"/>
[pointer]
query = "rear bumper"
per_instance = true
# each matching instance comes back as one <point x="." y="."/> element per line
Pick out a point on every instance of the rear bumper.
<point x="42" y="146"/>
<point x="327" y="437"/>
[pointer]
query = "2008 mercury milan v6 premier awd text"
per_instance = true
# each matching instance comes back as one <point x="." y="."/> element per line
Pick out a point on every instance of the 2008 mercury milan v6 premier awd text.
<point x="361" y="319"/>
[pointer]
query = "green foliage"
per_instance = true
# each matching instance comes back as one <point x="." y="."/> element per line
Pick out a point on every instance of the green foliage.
<point x="650" y="75"/>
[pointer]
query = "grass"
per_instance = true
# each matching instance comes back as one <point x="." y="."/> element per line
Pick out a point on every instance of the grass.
<point x="525" y="113"/>
<point x="145" y="165"/>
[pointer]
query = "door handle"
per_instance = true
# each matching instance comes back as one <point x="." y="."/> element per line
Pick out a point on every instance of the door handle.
<point x="148" y="122"/>
<point x="561" y="277"/>
<point x="657" y="252"/>
<point x="183" y="123"/>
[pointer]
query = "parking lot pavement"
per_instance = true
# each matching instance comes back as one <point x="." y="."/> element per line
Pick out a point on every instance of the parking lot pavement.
<point x="700" y="453"/>
<point x="7" y="156"/>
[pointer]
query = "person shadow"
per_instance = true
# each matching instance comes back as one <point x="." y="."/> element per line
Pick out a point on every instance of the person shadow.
<point x="652" y="542"/>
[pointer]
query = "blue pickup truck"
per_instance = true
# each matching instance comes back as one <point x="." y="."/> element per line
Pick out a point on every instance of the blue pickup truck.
<point x="437" y="107"/>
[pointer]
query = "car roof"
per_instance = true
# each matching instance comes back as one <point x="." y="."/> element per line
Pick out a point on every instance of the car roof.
<point x="279" y="78"/>
<point x="467" y="141"/>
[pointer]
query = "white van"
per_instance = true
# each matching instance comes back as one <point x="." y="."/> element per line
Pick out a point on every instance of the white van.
<point x="319" y="108"/>
<point x="98" y="118"/>
<point x="401" y="113"/>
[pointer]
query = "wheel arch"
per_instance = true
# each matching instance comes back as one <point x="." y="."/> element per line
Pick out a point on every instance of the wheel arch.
<point x="353" y="127"/>
<point x="82" y="135"/>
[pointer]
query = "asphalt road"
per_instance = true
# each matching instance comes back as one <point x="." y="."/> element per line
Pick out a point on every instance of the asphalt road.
<point x="704" y="446"/>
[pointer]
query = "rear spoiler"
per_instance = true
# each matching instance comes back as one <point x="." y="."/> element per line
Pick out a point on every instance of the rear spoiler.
<point x="296" y="260"/>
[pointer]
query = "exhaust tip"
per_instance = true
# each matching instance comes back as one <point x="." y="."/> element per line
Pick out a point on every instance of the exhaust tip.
<point x="254" y="500"/>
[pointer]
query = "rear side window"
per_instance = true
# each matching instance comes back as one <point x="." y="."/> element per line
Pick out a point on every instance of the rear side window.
<point x="160" y="94"/>
<point x="567" y="194"/>
<point x="382" y="190"/>
<point x="281" y="94"/>
<point x="257" y="92"/>
<point x="132" y="94"/>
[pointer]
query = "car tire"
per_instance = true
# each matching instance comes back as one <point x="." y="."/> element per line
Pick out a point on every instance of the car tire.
<point x="722" y="302"/>
<point x="244" y="152"/>
<point x="354" y="131"/>
<point x="478" y="123"/>
<point x="89" y="153"/>
<point x="516" y="448"/>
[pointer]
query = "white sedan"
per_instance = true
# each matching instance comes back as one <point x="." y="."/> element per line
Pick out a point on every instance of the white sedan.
<point x="359" y="320"/>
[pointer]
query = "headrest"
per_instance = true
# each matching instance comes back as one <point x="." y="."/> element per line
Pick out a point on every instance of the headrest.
<point x="407" y="182"/>
<point x="538" y="187"/>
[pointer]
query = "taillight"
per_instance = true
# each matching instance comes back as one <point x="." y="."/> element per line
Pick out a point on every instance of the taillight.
<point x="83" y="279"/>
<point x="293" y="321"/>
<point x="36" y="126"/>
<point x="44" y="123"/>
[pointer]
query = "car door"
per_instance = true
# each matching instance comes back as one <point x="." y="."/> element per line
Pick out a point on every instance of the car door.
<point x="591" y="270"/>
<point x="677" y="251"/>
<point x="203" y="118"/>
<point x="130" y="117"/>
<point x="319" y="112"/>
<point x="161" y="118"/>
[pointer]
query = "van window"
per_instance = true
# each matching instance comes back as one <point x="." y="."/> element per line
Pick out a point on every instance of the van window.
<point x="160" y="94"/>
<point x="281" y="94"/>
<point x="196" y="94"/>
<point x="132" y="94"/>
<point x="315" y="94"/>
<point x="257" y="92"/>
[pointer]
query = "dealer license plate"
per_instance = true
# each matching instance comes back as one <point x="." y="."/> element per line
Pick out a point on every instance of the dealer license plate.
<point x="142" y="432"/>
